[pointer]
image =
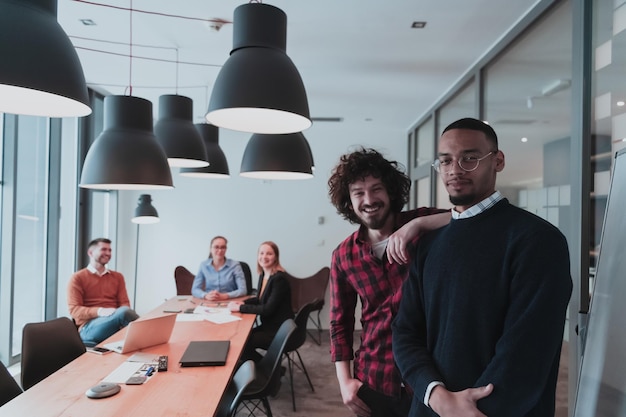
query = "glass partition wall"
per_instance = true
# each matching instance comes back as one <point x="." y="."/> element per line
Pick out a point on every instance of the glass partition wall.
<point x="523" y="89"/>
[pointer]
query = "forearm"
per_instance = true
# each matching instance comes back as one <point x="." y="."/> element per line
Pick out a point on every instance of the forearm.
<point x="344" y="374"/>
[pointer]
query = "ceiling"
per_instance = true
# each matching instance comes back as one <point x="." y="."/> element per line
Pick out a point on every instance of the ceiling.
<point x="360" y="60"/>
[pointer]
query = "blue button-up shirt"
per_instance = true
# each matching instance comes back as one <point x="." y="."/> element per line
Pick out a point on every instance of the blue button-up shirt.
<point x="229" y="279"/>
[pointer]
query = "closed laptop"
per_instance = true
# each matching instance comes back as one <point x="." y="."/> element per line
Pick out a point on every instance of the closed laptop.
<point x="205" y="353"/>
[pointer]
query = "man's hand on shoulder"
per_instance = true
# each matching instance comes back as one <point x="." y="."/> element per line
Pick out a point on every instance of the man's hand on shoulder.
<point x="105" y="312"/>
<point x="460" y="403"/>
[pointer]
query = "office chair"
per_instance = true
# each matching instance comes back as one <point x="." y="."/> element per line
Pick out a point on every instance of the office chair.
<point x="232" y="396"/>
<point x="267" y="380"/>
<point x="9" y="388"/>
<point x="47" y="347"/>
<point x="305" y="290"/>
<point x="184" y="280"/>
<point x="248" y="274"/>
<point x="296" y="341"/>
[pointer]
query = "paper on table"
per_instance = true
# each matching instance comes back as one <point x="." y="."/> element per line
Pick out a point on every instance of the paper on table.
<point x="211" y="310"/>
<point x="220" y="318"/>
<point x="143" y="357"/>
<point x="189" y="317"/>
<point x="121" y="374"/>
<point x="216" y="315"/>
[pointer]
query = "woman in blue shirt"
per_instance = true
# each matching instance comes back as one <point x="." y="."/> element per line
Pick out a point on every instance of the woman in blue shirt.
<point x="219" y="278"/>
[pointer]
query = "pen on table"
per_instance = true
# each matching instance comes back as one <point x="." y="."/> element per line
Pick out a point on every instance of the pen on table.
<point x="149" y="371"/>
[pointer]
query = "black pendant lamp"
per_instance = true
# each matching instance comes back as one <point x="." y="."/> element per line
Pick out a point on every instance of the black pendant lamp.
<point x="40" y="73"/>
<point x="145" y="213"/>
<point x="176" y="134"/>
<point x="259" y="89"/>
<point x="126" y="155"/>
<point x="218" y="166"/>
<point x="277" y="157"/>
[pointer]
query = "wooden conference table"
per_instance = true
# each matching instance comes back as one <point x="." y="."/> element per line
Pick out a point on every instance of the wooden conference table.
<point x="178" y="392"/>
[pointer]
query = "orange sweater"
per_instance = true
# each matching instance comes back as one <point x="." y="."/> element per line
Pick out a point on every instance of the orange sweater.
<point x="87" y="292"/>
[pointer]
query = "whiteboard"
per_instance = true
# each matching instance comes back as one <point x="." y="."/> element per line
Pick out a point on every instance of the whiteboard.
<point x="602" y="382"/>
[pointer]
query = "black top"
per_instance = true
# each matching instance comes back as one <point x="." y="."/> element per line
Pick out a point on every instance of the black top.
<point x="274" y="306"/>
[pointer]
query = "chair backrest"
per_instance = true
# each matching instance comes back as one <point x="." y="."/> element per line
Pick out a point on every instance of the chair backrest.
<point x="248" y="274"/>
<point x="305" y="290"/>
<point x="268" y="368"/>
<point x="47" y="347"/>
<point x="184" y="280"/>
<point x="9" y="388"/>
<point x="230" y="400"/>
<point x="302" y="317"/>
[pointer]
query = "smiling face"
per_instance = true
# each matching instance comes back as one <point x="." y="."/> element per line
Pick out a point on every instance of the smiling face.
<point x="218" y="249"/>
<point x="266" y="257"/>
<point x="466" y="188"/>
<point x="370" y="202"/>
<point x="100" y="254"/>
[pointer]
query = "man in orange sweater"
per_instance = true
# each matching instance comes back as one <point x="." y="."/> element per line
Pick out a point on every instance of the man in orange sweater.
<point x="97" y="298"/>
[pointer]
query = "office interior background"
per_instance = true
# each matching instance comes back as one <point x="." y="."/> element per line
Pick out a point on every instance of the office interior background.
<point x="549" y="79"/>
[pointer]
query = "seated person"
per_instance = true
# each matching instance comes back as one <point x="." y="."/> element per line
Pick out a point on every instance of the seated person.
<point x="97" y="298"/>
<point x="273" y="305"/>
<point x="219" y="278"/>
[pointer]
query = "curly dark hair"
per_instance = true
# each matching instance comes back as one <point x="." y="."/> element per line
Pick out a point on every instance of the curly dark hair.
<point x="356" y="166"/>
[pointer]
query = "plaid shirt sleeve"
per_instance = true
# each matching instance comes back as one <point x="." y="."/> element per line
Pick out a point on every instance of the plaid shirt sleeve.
<point x="343" y="303"/>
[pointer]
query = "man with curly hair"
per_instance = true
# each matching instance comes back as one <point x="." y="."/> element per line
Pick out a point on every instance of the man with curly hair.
<point x="371" y="265"/>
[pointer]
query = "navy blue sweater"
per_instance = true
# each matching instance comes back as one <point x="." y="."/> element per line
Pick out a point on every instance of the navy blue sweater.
<point x="485" y="302"/>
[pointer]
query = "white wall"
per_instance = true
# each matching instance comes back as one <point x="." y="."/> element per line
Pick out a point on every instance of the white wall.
<point x="246" y="211"/>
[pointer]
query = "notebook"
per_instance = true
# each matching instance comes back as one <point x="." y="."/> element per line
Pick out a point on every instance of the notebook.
<point x="205" y="353"/>
<point x="144" y="333"/>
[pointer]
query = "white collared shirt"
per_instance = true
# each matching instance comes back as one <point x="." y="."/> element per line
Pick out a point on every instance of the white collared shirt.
<point x="93" y="270"/>
<point x="478" y="207"/>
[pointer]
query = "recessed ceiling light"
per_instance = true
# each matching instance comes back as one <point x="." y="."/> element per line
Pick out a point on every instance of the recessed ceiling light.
<point x="524" y="140"/>
<point x="87" y="22"/>
<point x="620" y="103"/>
<point x="418" y="25"/>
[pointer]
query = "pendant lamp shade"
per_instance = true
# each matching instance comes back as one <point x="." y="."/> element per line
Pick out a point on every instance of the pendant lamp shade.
<point x="176" y="134"/>
<point x="218" y="166"/>
<point x="277" y="157"/>
<point x="145" y="213"/>
<point x="126" y="155"/>
<point x="259" y="89"/>
<point x="40" y="73"/>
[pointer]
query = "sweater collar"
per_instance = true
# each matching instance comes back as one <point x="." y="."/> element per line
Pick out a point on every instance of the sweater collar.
<point x="478" y="208"/>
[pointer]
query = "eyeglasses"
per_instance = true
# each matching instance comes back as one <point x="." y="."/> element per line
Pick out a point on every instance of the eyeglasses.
<point x="467" y="163"/>
<point x="219" y="247"/>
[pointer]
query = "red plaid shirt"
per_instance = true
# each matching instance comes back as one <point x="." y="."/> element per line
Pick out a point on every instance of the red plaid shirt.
<point x="357" y="272"/>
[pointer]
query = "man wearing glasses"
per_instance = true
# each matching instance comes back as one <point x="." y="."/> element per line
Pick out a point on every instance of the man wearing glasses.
<point x="480" y="325"/>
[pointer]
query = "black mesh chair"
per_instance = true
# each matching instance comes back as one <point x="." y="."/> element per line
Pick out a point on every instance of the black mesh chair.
<point x="47" y="347"/>
<point x="232" y="397"/>
<point x="248" y="274"/>
<point x="268" y="373"/>
<point x="184" y="280"/>
<point x="9" y="388"/>
<point x="296" y="341"/>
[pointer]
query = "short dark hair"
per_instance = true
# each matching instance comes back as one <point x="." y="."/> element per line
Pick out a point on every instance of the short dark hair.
<point x="356" y="166"/>
<point x="97" y="241"/>
<point x="474" y="124"/>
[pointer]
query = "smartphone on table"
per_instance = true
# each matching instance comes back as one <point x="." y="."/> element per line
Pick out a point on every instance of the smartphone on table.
<point x="98" y="350"/>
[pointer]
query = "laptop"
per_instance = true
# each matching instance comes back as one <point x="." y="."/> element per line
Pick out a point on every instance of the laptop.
<point x="205" y="353"/>
<point x="144" y="333"/>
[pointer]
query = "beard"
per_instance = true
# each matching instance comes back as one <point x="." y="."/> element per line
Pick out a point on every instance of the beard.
<point x="462" y="200"/>
<point x="376" y="222"/>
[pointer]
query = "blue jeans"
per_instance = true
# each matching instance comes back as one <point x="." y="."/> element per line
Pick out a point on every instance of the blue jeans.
<point x="100" y="328"/>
